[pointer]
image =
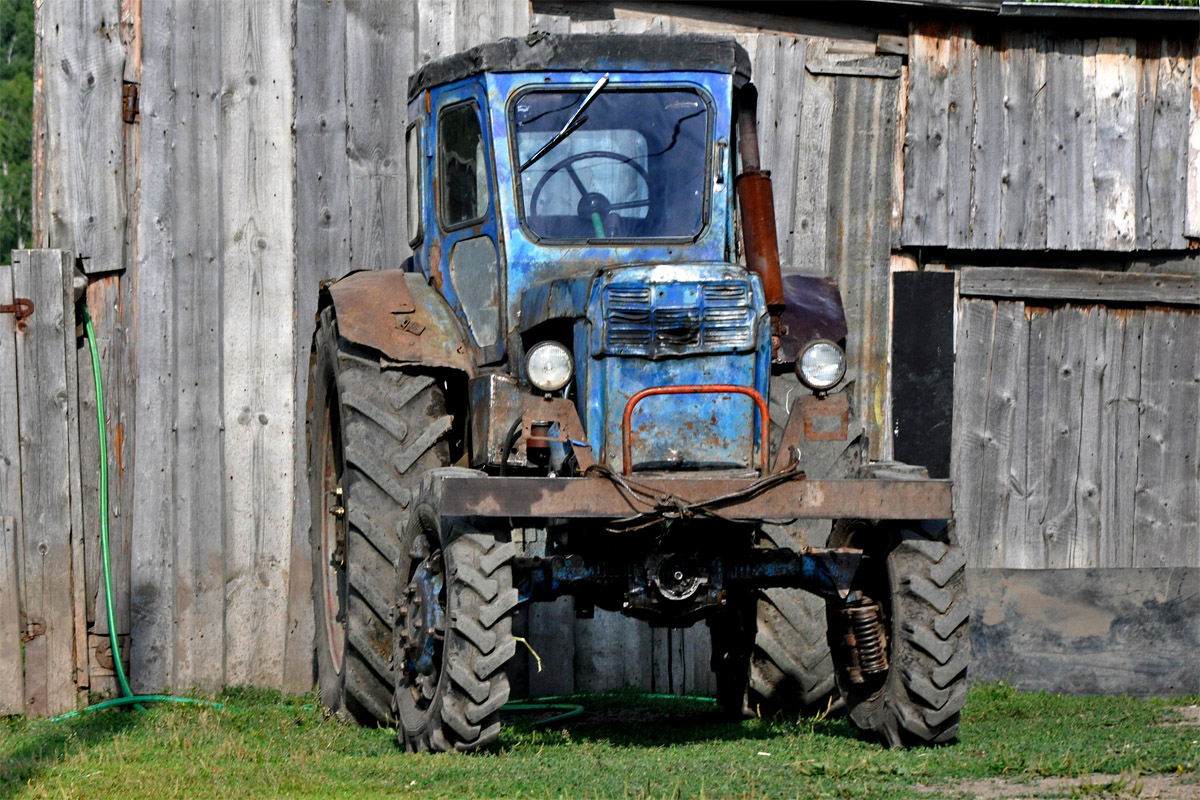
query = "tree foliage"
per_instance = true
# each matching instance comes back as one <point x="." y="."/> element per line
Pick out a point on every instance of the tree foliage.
<point x="16" y="113"/>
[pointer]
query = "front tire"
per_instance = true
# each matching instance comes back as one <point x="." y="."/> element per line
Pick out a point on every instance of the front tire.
<point x="918" y="579"/>
<point x="453" y="634"/>
<point x="372" y="434"/>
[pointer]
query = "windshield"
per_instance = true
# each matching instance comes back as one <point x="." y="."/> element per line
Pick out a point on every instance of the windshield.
<point x="634" y="166"/>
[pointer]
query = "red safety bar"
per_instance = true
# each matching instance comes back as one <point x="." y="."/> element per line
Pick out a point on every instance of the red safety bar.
<point x="627" y="431"/>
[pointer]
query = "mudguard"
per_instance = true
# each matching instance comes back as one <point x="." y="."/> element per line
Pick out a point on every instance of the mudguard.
<point x="399" y="315"/>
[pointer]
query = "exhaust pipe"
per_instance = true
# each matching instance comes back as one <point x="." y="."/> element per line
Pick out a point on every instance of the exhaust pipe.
<point x="756" y="205"/>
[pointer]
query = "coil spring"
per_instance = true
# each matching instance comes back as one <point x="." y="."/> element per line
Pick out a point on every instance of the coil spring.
<point x="870" y="640"/>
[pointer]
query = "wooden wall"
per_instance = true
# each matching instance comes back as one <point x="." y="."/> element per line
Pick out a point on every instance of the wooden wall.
<point x="1077" y="404"/>
<point x="267" y="155"/>
<point x="1028" y="140"/>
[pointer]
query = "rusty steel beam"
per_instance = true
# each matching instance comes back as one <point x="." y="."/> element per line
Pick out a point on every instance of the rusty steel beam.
<point x="599" y="498"/>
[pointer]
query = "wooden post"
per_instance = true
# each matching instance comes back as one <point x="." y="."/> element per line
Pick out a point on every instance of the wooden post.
<point x="55" y="648"/>
<point x="12" y="679"/>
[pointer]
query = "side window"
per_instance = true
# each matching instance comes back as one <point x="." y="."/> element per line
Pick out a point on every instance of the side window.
<point x="463" y="170"/>
<point x="412" y="165"/>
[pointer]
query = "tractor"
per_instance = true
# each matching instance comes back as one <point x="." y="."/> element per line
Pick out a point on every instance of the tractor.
<point x="594" y="378"/>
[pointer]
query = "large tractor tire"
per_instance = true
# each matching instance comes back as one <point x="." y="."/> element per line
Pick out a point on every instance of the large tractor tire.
<point x="453" y="633"/>
<point x="789" y="669"/>
<point x="915" y="573"/>
<point x="372" y="434"/>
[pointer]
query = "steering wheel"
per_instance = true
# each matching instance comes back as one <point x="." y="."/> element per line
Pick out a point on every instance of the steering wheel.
<point x="593" y="206"/>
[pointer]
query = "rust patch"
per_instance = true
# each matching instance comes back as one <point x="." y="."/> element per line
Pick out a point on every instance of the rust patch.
<point x="366" y="304"/>
<point x="826" y="419"/>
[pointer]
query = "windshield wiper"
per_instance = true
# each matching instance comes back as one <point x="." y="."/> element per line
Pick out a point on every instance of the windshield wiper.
<point x="573" y="124"/>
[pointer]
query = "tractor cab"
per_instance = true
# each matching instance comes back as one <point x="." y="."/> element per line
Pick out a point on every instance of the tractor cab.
<point x="571" y="198"/>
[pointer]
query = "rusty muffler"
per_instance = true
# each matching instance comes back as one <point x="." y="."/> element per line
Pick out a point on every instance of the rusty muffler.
<point x="756" y="204"/>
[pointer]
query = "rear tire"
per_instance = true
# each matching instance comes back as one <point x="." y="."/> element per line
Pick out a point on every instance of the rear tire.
<point x="920" y="583"/>
<point x="372" y="434"/>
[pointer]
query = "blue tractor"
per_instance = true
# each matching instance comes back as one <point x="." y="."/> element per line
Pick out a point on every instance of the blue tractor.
<point x="593" y="379"/>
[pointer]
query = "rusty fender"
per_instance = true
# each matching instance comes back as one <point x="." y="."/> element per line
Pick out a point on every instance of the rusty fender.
<point x="596" y="497"/>
<point x="397" y="314"/>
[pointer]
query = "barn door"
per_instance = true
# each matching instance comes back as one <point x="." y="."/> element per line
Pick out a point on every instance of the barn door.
<point x="1076" y="402"/>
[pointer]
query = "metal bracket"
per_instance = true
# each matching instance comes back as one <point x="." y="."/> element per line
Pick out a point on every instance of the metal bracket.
<point x="21" y="308"/>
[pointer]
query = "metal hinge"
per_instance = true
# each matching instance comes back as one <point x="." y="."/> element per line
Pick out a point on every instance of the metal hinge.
<point x="129" y="103"/>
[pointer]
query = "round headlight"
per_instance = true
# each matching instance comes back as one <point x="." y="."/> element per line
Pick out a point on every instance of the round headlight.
<point x="821" y="365"/>
<point x="549" y="366"/>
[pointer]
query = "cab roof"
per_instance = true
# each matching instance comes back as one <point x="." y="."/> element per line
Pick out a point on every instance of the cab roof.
<point x="592" y="52"/>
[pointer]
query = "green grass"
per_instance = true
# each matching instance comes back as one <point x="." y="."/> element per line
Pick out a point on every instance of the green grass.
<point x="625" y="745"/>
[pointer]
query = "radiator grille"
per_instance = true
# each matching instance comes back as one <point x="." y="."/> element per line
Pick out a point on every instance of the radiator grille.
<point x="678" y="318"/>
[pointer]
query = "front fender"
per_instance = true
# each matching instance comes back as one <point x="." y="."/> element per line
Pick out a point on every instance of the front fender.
<point x="399" y="315"/>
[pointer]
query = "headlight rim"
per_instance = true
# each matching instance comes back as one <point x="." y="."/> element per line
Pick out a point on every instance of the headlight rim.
<point x="553" y="387"/>
<point x="841" y="374"/>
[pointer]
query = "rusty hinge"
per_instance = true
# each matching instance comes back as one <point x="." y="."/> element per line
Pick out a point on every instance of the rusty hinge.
<point x="129" y="102"/>
<point x="19" y="308"/>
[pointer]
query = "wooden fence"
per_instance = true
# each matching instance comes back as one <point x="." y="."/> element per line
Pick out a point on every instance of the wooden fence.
<point x="43" y="633"/>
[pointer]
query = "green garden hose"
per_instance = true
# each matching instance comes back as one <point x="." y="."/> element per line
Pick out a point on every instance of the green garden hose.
<point x="129" y="697"/>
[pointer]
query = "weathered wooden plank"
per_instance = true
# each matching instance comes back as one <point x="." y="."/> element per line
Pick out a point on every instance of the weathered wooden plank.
<point x="152" y="599"/>
<point x="989" y="143"/>
<point x="972" y="367"/>
<point x="12" y="679"/>
<point x="1164" y="162"/>
<point x="1087" y="631"/>
<point x="1062" y="433"/>
<point x="47" y="410"/>
<point x="858" y="254"/>
<point x="898" y="153"/>
<point x="1081" y="285"/>
<point x="960" y="123"/>
<point x="10" y="452"/>
<point x="1089" y="511"/>
<point x="257" y="301"/>
<point x="103" y="299"/>
<point x="1017" y="507"/>
<point x="1167" y="498"/>
<point x="779" y="75"/>
<point x="1002" y="442"/>
<point x="1023" y="174"/>
<point x="1116" y="144"/>
<point x="552" y="636"/>
<point x="12" y="675"/>
<point x="375" y="137"/>
<point x="1192" y="223"/>
<point x="435" y="33"/>
<point x="1028" y="552"/>
<point x="78" y="568"/>
<point x="85" y="192"/>
<point x="611" y="652"/>
<point x="926" y="167"/>
<point x="1070" y="144"/>
<point x="199" y="507"/>
<point x="698" y="678"/>
<point x="479" y="21"/>
<point x="322" y="251"/>
<point x="810" y="213"/>
<point x="1119" y="471"/>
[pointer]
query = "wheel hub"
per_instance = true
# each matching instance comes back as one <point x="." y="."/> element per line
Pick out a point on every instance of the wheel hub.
<point x="423" y="619"/>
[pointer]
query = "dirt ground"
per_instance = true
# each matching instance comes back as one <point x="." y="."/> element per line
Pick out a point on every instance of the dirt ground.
<point x="1102" y="787"/>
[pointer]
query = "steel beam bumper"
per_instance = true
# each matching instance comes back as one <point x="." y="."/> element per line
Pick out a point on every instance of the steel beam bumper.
<point x="600" y="498"/>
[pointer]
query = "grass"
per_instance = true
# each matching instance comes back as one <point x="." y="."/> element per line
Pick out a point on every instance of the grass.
<point x="625" y="745"/>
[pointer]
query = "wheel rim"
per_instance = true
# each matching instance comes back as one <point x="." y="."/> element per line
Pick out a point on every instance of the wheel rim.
<point x="421" y="626"/>
<point x="333" y="542"/>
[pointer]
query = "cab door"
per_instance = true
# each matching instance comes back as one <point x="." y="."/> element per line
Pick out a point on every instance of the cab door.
<point x="464" y="248"/>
